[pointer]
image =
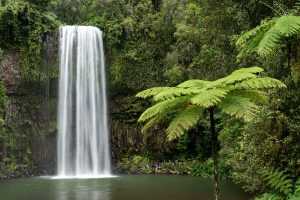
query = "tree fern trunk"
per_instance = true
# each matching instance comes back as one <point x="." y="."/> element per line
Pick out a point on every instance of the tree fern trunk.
<point x="214" y="145"/>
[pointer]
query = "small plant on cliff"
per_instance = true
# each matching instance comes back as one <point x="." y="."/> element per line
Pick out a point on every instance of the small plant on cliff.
<point x="238" y="95"/>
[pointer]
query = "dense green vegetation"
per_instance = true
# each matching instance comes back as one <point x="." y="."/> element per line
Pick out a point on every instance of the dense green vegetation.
<point x="152" y="43"/>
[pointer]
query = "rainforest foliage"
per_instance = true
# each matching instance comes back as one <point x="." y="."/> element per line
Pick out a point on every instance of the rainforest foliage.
<point x="162" y="43"/>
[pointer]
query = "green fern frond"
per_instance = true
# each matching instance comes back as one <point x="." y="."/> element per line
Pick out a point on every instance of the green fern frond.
<point x="151" y="92"/>
<point x="252" y="70"/>
<point x="256" y="96"/>
<point x="209" y="98"/>
<point x="239" y="107"/>
<point x="254" y="32"/>
<point x="173" y="92"/>
<point x="251" y="45"/>
<point x="269" y="42"/>
<point x="163" y="107"/>
<point x="266" y="38"/>
<point x="155" y="120"/>
<point x="268" y="196"/>
<point x="236" y="76"/>
<point x="288" y="25"/>
<point x="184" y="121"/>
<point x="297" y="187"/>
<point x="193" y="83"/>
<point x="260" y="83"/>
<point x="279" y="181"/>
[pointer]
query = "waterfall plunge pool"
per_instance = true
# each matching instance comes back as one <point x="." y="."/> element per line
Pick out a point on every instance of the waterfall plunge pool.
<point x="128" y="187"/>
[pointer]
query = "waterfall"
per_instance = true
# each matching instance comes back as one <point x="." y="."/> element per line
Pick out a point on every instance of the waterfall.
<point x="83" y="139"/>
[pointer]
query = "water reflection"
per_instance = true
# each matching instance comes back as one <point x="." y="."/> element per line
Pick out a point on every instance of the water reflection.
<point x="119" y="188"/>
<point x="83" y="189"/>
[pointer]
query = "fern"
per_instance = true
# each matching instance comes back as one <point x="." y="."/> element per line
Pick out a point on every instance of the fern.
<point x="260" y="83"/>
<point x="236" y="95"/>
<point x="268" y="196"/>
<point x="239" y="107"/>
<point x="282" y="186"/>
<point x="254" y="32"/>
<point x="267" y="37"/>
<point x="183" y="121"/>
<point x="209" y="98"/>
<point x="288" y="25"/>
<point x="256" y="96"/>
<point x="236" y="76"/>
<point x="155" y="120"/>
<point x="253" y="70"/>
<point x="297" y="187"/>
<point x="193" y="83"/>
<point x="279" y="181"/>
<point x="162" y="107"/>
<point x="174" y="92"/>
<point x="269" y="42"/>
<point x="151" y="92"/>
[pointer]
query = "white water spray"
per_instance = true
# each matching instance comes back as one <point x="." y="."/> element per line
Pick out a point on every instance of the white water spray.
<point x="83" y="139"/>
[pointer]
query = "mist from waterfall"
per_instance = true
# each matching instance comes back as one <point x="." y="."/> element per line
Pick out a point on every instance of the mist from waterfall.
<point x="83" y="135"/>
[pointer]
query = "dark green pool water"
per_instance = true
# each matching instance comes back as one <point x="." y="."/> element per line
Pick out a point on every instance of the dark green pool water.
<point x="142" y="187"/>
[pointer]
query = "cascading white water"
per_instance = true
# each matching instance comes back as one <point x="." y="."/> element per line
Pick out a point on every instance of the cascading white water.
<point x="83" y="139"/>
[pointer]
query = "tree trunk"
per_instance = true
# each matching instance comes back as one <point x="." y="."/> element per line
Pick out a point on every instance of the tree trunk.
<point x="215" y="154"/>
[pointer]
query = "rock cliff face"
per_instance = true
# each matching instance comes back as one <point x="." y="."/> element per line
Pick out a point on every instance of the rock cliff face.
<point x="25" y="144"/>
<point x="10" y="72"/>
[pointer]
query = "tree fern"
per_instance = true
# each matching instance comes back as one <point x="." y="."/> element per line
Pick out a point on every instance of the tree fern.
<point x="267" y="37"/>
<point x="237" y="95"/>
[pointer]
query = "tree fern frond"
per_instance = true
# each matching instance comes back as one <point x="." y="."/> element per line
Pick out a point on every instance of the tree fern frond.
<point x="193" y="83"/>
<point x="236" y="76"/>
<point x="162" y="107"/>
<point x="254" y="95"/>
<point x="151" y="92"/>
<point x="251" y="45"/>
<point x="184" y="121"/>
<point x="239" y="107"/>
<point x="173" y="92"/>
<point x="260" y="83"/>
<point x="155" y="120"/>
<point x="266" y="38"/>
<point x="269" y="42"/>
<point x="209" y="98"/>
<point x="288" y="25"/>
<point x="253" y="70"/>
<point x="252" y="33"/>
